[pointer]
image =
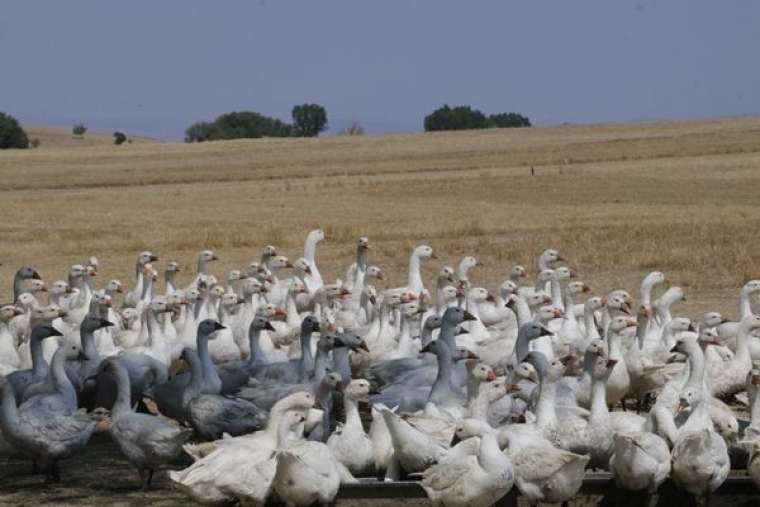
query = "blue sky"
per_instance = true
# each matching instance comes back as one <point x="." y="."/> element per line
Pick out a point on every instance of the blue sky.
<point x="154" y="67"/>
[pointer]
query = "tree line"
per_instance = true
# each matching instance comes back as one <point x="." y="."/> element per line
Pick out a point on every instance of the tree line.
<point x="308" y="120"/>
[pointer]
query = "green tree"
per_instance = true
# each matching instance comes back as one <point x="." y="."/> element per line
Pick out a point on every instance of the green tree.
<point x="455" y="118"/>
<point x="309" y="120"/>
<point x="508" y="120"/>
<point x="237" y="125"/>
<point x="119" y="138"/>
<point x="79" y="129"/>
<point x="11" y="133"/>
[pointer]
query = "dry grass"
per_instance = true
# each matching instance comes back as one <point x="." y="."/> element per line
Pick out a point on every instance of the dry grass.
<point x="617" y="200"/>
<point x="55" y="137"/>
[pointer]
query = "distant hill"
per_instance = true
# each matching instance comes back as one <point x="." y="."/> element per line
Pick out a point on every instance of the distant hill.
<point x="61" y="137"/>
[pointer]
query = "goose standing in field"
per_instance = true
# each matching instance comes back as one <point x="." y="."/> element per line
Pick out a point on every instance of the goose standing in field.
<point x="145" y="440"/>
<point x="20" y="380"/>
<point x="43" y="436"/>
<point x="56" y="394"/>
<point x="466" y="264"/>
<point x="313" y="278"/>
<point x="24" y="273"/>
<point x="134" y="296"/>
<point x="748" y="291"/>
<point x="170" y="277"/>
<point x="700" y="455"/>
<point x="10" y="360"/>
<point x="640" y="462"/>
<point x="202" y="273"/>
<point x="476" y="479"/>
<point x="729" y="377"/>
<point x="349" y="443"/>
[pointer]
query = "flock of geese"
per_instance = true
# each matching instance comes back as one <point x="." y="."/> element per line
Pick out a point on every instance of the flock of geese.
<point x="280" y="385"/>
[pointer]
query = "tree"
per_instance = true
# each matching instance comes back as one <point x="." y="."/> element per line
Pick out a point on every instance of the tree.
<point x="237" y="125"/>
<point x="119" y="138"/>
<point x="11" y="133"/>
<point x="465" y="117"/>
<point x="309" y="120"/>
<point x="79" y="129"/>
<point x="455" y="118"/>
<point x="507" y="120"/>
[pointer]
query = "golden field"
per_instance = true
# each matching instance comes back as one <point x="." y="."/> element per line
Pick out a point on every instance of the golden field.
<point x="617" y="200"/>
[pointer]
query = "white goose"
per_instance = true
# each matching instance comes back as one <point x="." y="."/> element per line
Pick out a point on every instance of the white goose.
<point x="349" y="443"/>
<point x="474" y="477"/>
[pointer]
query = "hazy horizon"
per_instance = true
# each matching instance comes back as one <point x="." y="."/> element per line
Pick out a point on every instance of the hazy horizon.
<point x="154" y="68"/>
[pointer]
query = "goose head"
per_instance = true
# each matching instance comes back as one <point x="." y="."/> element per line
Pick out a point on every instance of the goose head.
<point x="115" y="286"/>
<point x="617" y="301"/>
<point x="526" y="371"/>
<point x="646" y="311"/>
<point x="517" y="272"/>
<point x="709" y="336"/>
<point x="173" y="267"/>
<point x="680" y="325"/>
<point x="28" y="273"/>
<point x="362" y="244"/>
<point x="479" y="295"/>
<point x="159" y="305"/>
<point x="44" y="330"/>
<point x="454" y="316"/>
<point x="465" y="265"/>
<point x="251" y="286"/>
<point x="358" y="390"/>
<point x="564" y="272"/>
<point x="410" y="309"/>
<point x="598" y="347"/>
<point x="297" y="287"/>
<point x="672" y="295"/>
<point x="547" y="312"/>
<point x="332" y="380"/>
<point x="652" y="280"/>
<point x="270" y="310"/>
<point x="751" y="287"/>
<point x="230" y="301"/>
<point x="537" y="299"/>
<point x="302" y="266"/>
<point x="375" y="272"/>
<point x="77" y="272"/>
<point x="469" y="428"/>
<point x="71" y="351"/>
<point x="689" y="397"/>
<point x="102" y="300"/>
<point x="619" y="324"/>
<point x="300" y="400"/>
<point x="449" y="294"/>
<point x="260" y="323"/>
<point x="432" y="322"/>
<point x="328" y="342"/>
<point x="60" y="287"/>
<point x="36" y="286"/>
<point x="26" y="301"/>
<point x="353" y="341"/>
<point x="267" y="253"/>
<point x="149" y="272"/>
<point x="316" y="235"/>
<point x="7" y="312"/>
<point x="92" y="323"/>
<point x="144" y="258"/>
<point x="577" y="287"/>
<point x="216" y="292"/>
<point x="424" y="252"/>
<point x="603" y="368"/>
<point x="482" y="372"/>
<point x="507" y="288"/>
<point x="235" y="275"/>
<point x="175" y="299"/>
<point x="749" y="323"/>
<point x="595" y="303"/>
<point x="209" y="327"/>
<point x="547" y="370"/>
<point x="205" y="256"/>
<point x="446" y="275"/>
<point x="548" y="258"/>
<point x="278" y="262"/>
<point x="544" y="276"/>
<point x="713" y="319"/>
<point x="192" y="295"/>
<point x="309" y="325"/>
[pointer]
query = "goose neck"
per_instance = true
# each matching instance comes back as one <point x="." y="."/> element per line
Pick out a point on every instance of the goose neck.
<point x="88" y="345"/>
<point x="696" y="366"/>
<point x="556" y="290"/>
<point x="441" y="390"/>
<point x="414" y="282"/>
<point x="39" y="365"/>
<point x="256" y="355"/>
<point x="307" y="359"/>
<point x="599" y="410"/>
<point x="123" y="394"/>
<point x="546" y="415"/>
<point x="490" y="456"/>
<point x="353" y="419"/>
<point x="8" y="411"/>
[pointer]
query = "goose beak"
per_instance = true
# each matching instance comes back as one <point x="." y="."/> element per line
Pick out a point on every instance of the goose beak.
<point x="268" y="326"/>
<point x="36" y="276"/>
<point x="567" y="360"/>
<point x="455" y="440"/>
<point x="63" y="313"/>
<point x="558" y="313"/>
<point x="573" y="273"/>
<point x="55" y="332"/>
<point x="17" y="310"/>
<point x="586" y="288"/>
<point x="153" y="258"/>
<point x="105" y="323"/>
<point x="214" y="257"/>
<point x="469" y="316"/>
<point x="692" y="328"/>
<point x="545" y="331"/>
<point x="491" y="376"/>
<point x="307" y="270"/>
<point x="490" y="298"/>
<point x="755" y="380"/>
<point x="611" y="362"/>
<point x="218" y="326"/>
<point x="373" y="300"/>
<point x="547" y="300"/>
<point x="288" y="264"/>
<point x="471" y="355"/>
<point x="625" y="308"/>
<point x="683" y="404"/>
<point x="280" y="311"/>
<point x="363" y="346"/>
<point x="380" y="275"/>
<point x="344" y="292"/>
<point x="724" y="320"/>
<point x="434" y="256"/>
